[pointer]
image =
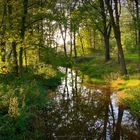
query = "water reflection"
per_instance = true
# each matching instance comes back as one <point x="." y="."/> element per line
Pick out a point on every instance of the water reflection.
<point x="81" y="113"/>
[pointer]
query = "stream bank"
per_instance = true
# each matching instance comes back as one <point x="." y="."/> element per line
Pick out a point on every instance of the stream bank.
<point x="78" y="112"/>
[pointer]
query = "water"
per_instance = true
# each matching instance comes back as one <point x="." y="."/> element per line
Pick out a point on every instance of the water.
<point x="81" y="113"/>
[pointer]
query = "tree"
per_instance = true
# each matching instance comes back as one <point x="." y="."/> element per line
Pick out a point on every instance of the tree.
<point x="106" y="29"/>
<point x="22" y="31"/>
<point x="115" y="21"/>
<point x="98" y="14"/>
<point x="134" y="8"/>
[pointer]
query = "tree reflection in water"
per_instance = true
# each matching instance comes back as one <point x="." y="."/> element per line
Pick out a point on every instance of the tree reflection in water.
<point x="81" y="113"/>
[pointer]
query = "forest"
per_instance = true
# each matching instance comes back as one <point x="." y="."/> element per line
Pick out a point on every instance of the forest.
<point x="69" y="69"/>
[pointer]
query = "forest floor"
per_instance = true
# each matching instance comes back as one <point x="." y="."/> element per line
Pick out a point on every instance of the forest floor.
<point x="99" y="72"/>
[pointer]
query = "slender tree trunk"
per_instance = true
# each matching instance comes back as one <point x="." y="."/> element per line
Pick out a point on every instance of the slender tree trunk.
<point x="21" y="59"/>
<point x="136" y="36"/>
<point x="65" y="50"/>
<point x="71" y="35"/>
<point x="3" y="23"/>
<point x="90" y="38"/>
<point x="42" y="38"/>
<point x="3" y="52"/>
<point x="74" y="44"/>
<point x="107" y="49"/>
<point x="71" y="38"/>
<point x="106" y="30"/>
<point x="41" y="32"/>
<point x="65" y="47"/>
<point x="25" y="55"/>
<point x="22" y="33"/>
<point x="82" y="45"/>
<point x="14" y="44"/>
<point x="63" y="34"/>
<point x="94" y="41"/>
<point x="15" y="60"/>
<point x="138" y="31"/>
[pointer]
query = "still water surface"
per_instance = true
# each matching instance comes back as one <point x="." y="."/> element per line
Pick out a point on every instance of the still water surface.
<point x="81" y="113"/>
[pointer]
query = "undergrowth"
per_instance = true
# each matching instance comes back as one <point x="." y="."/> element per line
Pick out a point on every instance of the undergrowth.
<point x="21" y="98"/>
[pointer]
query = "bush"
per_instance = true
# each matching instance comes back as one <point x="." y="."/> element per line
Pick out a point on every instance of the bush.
<point x="17" y="99"/>
<point x="22" y="98"/>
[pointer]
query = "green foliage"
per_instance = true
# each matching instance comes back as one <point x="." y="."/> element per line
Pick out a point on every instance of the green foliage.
<point x="18" y="95"/>
<point x="50" y="56"/>
<point x="21" y="100"/>
<point x="89" y="39"/>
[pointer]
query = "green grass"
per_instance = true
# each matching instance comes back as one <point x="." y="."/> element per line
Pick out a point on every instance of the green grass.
<point x="131" y="56"/>
<point x="100" y="72"/>
<point x="97" y="68"/>
<point x="131" y="97"/>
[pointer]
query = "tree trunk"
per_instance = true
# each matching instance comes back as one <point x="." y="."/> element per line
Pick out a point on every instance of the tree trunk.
<point x="82" y="45"/>
<point x="25" y="55"/>
<point x="15" y="60"/>
<point x="74" y="44"/>
<point x="71" y="38"/>
<point x="63" y="34"/>
<point x="138" y="32"/>
<point x="90" y="38"/>
<point x="94" y="41"/>
<point x="65" y="50"/>
<point x="121" y="54"/>
<point x="116" y="27"/>
<point x="21" y="59"/>
<point x="106" y="30"/>
<point x="15" y="67"/>
<point x="139" y="49"/>
<point x="22" y="33"/>
<point x="3" y="52"/>
<point x="107" y="49"/>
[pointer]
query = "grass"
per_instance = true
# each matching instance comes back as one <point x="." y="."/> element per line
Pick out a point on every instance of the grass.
<point x="97" y="68"/>
<point x="131" y="98"/>
<point x="99" y="72"/>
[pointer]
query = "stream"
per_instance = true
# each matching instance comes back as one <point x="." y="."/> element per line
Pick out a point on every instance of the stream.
<point x="78" y="112"/>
